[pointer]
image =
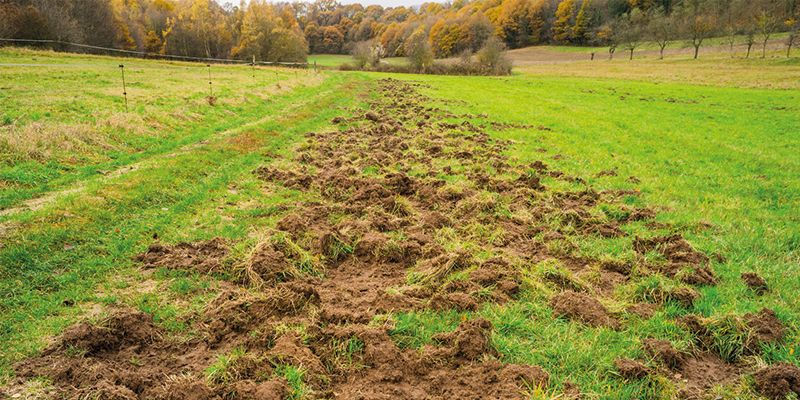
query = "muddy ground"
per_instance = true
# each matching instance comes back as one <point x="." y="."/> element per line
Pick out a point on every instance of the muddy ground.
<point x="415" y="212"/>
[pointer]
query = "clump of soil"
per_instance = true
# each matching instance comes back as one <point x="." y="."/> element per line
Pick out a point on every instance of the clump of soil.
<point x="755" y="282"/>
<point x="702" y="372"/>
<point x="122" y="328"/>
<point x="268" y="265"/>
<point x="203" y="257"/>
<point x="122" y="356"/>
<point x="460" y="365"/>
<point x="700" y="276"/>
<point x="778" y="381"/>
<point x="631" y="369"/>
<point x="765" y="326"/>
<point x="684" y="295"/>
<point x="584" y="308"/>
<point x="732" y="336"/>
<point x="674" y="248"/>
<point x="289" y="349"/>
<point x="643" y="310"/>
<point x="469" y="342"/>
<point x="664" y="352"/>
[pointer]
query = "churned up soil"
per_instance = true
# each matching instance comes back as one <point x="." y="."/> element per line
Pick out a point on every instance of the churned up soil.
<point x="401" y="188"/>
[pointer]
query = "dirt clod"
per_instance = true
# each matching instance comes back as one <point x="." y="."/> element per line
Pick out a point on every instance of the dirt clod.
<point x="766" y="326"/>
<point x="778" y="381"/>
<point x="664" y="352"/>
<point x="755" y="282"/>
<point x="584" y="308"/>
<point x="631" y="369"/>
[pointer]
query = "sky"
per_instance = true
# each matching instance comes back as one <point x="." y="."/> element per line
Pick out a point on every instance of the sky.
<point x="385" y="3"/>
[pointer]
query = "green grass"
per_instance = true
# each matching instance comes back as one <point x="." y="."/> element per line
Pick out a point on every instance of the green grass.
<point x="329" y="60"/>
<point x="335" y="60"/>
<point x="709" y="154"/>
<point x="84" y="131"/>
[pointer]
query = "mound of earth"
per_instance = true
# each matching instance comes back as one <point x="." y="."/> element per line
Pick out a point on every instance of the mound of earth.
<point x="584" y="308"/>
<point x="631" y="369"/>
<point x="765" y="326"/>
<point x="755" y="282"/>
<point x="778" y="381"/>
<point x="664" y="352"/>
<point x="754" y="330"/>
<point x="703" y="371"/>
<point x="673" y="247"/>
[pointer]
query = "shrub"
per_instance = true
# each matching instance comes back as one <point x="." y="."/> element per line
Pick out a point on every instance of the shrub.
<point x="418" y="49"/>
<point x="366" y="53"/>
<point x="493" y="56"/>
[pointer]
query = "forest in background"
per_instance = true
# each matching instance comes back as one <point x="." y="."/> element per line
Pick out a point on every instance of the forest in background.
<point x="284" y="31"/>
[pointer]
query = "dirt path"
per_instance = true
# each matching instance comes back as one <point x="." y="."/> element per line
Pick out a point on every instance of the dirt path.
<point x="417" y="212"/>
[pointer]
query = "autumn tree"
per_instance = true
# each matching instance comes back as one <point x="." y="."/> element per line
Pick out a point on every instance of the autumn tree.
<point x="58" y="17"/>
<point x="631" y="30"/>
<point x="662" y="30"/>
<point x="580" y="30"/>
<point x="698" y="23"/>
<point x="520" y="22"/>
<point x="268" y="35"/>
<point x="391" y="39"/>
<point x="418" y="50"/>
<point x="562" y="27"/>
<point x="608" y="35"/>
<point x="478" y="28"/>
<point x="313" y="37"/>
<point x="447" y="37"/>
<point x="767" y="24"/>
<point x="332" y="40"/>
<point x="23" y="22"/>
<point x="793" y="24"/>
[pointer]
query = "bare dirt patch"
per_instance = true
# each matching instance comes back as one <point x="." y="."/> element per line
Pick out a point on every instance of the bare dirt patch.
<point x="203" y="257"/>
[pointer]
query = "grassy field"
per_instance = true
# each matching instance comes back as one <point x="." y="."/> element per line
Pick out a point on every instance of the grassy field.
<point x="335" y="60"/>
<point x="84" y="130"/>
<point x="84" y="187"/>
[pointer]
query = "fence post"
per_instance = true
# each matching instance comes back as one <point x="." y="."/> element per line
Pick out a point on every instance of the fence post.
<point x="124" y="89"/>
<point x="254" y="66"/>
<point x="210" y="87"/>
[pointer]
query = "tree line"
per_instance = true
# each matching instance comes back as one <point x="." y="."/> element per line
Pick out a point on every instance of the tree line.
<point x="285" y="31"/>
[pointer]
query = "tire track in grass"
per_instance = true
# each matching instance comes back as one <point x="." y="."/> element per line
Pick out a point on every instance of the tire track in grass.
<point x="38" y="203"/>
